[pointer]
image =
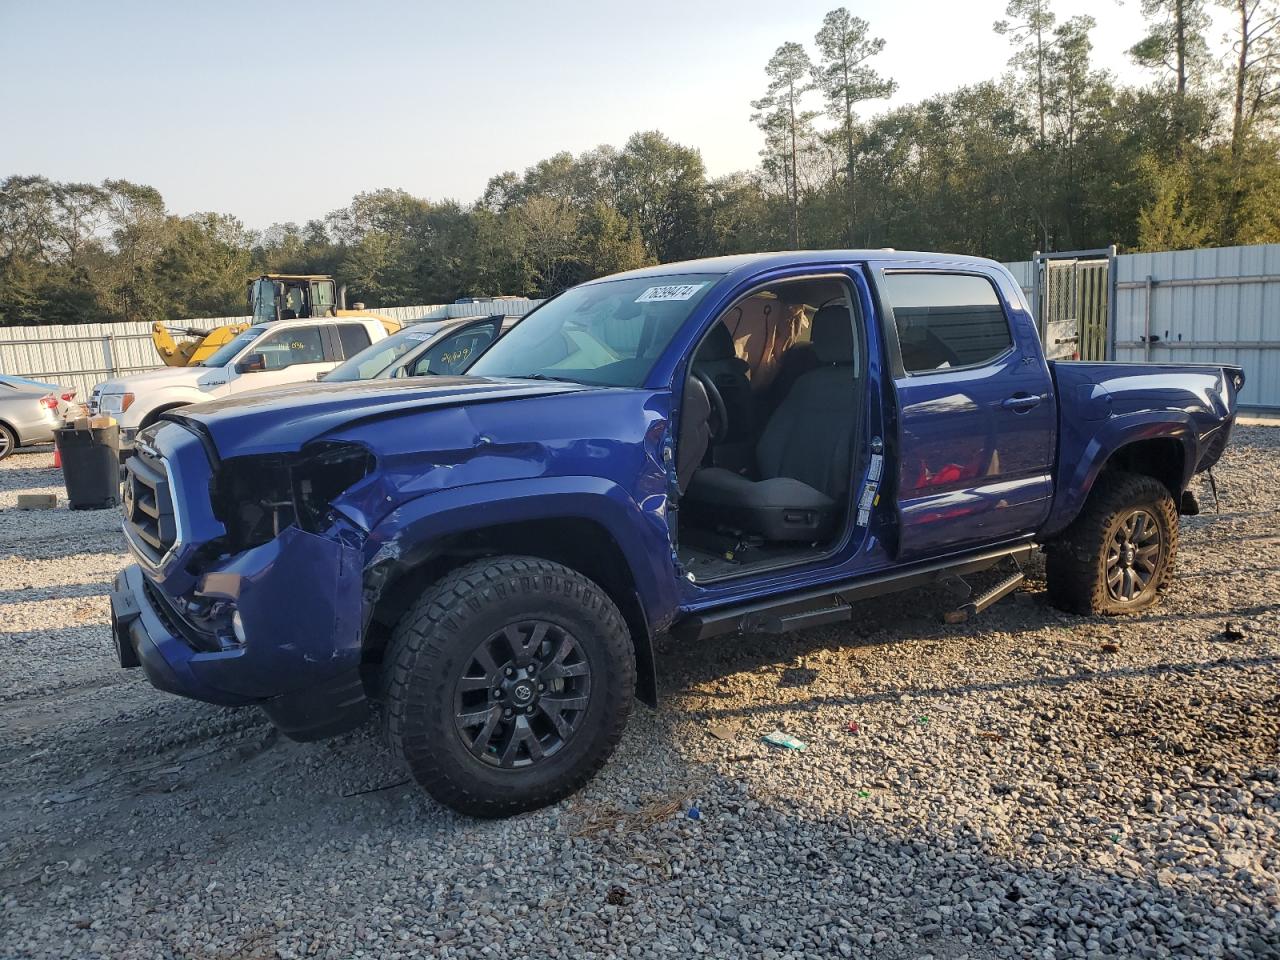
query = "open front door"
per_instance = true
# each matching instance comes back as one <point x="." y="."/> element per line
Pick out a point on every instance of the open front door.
<point x="977" y="416"/>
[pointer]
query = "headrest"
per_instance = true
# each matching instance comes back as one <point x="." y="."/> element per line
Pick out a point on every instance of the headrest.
<point x="718" y="345"/>
<point x="832" y="335"/>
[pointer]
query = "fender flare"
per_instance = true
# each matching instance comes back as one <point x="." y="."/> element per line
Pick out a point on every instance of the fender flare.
<point x="156" y="412"/>
<point x="408" y="534"/>
<point x="166" y="398"/>
<point x="1074" y="482"/>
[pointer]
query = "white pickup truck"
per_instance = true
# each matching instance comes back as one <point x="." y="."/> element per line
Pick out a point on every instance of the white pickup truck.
<point x="265" y="355"/>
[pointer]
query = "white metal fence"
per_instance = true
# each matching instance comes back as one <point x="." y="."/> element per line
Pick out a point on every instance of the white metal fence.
<point x="1215" y="305"/>
<point x="1204" y="306"/>
<point x="82" y="354"/>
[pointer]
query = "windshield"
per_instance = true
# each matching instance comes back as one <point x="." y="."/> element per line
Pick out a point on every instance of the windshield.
<point x="222" y="356"/>
<point x="376" y="357"/>
<point x="607" y="333"/>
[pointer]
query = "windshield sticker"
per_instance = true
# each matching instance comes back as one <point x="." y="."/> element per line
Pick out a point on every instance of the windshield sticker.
<point x="674" y="291"/>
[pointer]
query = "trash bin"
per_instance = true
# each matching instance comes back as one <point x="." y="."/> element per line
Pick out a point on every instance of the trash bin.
<point x="90" y="463"/>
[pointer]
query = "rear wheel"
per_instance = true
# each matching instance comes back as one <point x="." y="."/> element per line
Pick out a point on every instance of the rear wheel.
<point x="8" y="442"/>
<point x="1119" y="552"/>
<point x="508" y="684"/>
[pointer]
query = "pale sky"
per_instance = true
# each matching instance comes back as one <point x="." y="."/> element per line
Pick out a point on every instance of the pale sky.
<point x="277" y="111"/>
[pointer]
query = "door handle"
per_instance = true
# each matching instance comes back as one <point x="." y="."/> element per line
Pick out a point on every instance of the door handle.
<point x="1022" y="403"/>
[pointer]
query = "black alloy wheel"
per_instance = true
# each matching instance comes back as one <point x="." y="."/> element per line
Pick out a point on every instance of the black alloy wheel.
<point x="1132" y="555"/>
<point x="1119" y="552"/>
<point x="523" y="694"/>
<point x="507" y="684"/>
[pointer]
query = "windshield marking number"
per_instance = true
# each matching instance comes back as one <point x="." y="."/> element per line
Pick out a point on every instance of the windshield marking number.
<point x="675" y="291"/>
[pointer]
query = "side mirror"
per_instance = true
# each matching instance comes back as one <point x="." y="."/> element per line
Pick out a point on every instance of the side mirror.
<point x="253" y="363"/>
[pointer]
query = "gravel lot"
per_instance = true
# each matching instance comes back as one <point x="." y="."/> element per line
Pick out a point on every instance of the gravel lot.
<point x="1029" y="784"/>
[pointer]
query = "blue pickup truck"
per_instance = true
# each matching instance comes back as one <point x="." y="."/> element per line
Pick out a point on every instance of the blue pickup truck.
<point x="749" y="443"/>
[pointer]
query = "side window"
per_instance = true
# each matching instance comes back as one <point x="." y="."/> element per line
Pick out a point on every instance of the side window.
<point x="287" y="347"/>
<point x="946" y="320"/>
<point x="454" y="353"/>
<point x="353" y="338"/>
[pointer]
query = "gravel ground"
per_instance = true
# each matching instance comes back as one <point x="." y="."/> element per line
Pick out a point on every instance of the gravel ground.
<point x="1028" y="784"/>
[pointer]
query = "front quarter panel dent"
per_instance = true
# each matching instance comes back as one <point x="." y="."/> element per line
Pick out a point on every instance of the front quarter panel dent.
<point x="410" y="532"/>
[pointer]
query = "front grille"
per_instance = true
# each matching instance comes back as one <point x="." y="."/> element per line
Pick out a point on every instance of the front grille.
<point x="148" y="506"/>
<point x="94" y="399"/>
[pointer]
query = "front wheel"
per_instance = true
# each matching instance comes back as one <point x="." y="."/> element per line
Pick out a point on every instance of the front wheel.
<point x="1119" y="552"/>
<point x="507" y="685"/>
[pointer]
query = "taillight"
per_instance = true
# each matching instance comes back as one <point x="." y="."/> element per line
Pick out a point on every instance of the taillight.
<point x="69" y="395"/>
<point x="50" y="402"/>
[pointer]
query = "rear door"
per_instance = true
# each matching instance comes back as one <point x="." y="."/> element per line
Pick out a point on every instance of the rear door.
<point x="977" y="416"/>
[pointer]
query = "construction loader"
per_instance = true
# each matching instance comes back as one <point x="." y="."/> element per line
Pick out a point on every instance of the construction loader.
<point x="270" y="297"/>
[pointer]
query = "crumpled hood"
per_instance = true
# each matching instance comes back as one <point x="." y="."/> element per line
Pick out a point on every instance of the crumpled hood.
<point x="284" y="418"/>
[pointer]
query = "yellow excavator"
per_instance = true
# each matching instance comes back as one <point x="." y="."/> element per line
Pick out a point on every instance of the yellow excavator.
<point x="270" y="297"/>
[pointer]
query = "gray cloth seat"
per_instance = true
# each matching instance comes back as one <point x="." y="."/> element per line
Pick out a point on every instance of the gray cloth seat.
<point x="718" y="359"/>
<point x="804" y="456"/>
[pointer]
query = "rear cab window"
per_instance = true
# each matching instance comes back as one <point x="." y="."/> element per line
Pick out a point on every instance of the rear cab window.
<point x="352" y="337"/>
<point x="946" y="320"/>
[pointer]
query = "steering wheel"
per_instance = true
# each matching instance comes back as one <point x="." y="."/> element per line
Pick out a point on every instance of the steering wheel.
<point x="719" y="412"/>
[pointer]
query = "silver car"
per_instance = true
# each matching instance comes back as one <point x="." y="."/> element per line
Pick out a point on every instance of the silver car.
<point x="427" y="348"/>
<point x="24" y="420"/>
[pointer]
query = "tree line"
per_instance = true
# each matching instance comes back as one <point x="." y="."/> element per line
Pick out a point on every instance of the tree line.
<point x="1053" y="154"/>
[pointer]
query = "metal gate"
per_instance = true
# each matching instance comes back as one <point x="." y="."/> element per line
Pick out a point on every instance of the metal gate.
<point x="1073" y="301"/>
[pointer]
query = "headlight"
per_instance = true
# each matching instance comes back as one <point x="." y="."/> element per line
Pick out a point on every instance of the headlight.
<point x="322" y="473"/>
<point x="237" y="627"/>
<point x="258" y="497"/>
<point x="115" y="402"/>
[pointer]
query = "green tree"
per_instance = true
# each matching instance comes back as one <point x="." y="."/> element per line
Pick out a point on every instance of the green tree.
<point x="845" y="79"/>
<point x="1175" y="41"/>
<point x="1030" y="25"/>
<point x="1255" y="70"/>
<point x="202" y="269"/>
<point x="659" y="186"/>
<point x="786" y="124"/>
<point x="1255" y="82"/>
<point x="610" y="243"/>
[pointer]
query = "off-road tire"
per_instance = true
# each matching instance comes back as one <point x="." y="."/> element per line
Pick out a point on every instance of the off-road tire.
<point x="1077" y="563"/>
<point x="436" y="639"/>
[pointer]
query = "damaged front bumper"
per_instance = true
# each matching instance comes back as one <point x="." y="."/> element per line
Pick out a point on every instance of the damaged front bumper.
<point x="280" y="627"/>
